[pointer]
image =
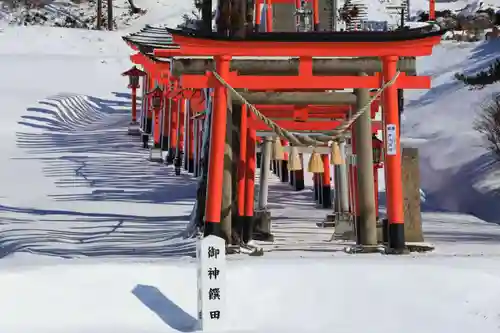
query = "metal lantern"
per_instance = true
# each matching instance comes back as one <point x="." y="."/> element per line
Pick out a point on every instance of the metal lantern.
<point x="157" y="95"/>
<point x="377" y="150"/>
<point x="133" y="81"/>
<point x="133" y="75"/>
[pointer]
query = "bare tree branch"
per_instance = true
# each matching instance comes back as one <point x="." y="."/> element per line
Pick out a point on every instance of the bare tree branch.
<point x="488" y="124"/>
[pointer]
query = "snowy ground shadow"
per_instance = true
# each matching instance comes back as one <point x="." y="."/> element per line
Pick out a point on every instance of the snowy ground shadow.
<point x="459" y="192"/>
<point x="295" y="217"/>
<point x="169" y="312"/>
<point x="455" y="210"/>
<point x="72" y="234"/>
<point x="429" y="206"/>
<point x="461" y="237"/>
<point x="91" y="151"/>
<point x="459" y="229"/>
<point x="82" y="144"/>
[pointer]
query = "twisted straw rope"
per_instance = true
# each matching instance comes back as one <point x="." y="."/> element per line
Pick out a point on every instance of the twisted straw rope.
<point x="305" y="140"/>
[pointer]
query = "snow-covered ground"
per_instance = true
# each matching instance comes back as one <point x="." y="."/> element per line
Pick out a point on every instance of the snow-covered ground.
<point x="88" y="225"/>
<point x="431" y="295"/>
<point x="65" y="151"/>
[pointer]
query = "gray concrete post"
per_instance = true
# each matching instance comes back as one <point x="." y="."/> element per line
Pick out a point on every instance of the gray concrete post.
<point x="264" y="172"/>
<point x="342" y="184"/>
<point x="367" y="230"/>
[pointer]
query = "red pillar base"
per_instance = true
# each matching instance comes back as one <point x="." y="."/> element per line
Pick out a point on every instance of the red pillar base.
<point x="247" y="229"/>
<point x="190" y="163"/>
<point x="164" y="143"/>
<point x="145" y="141"/>
<point x="320" y="190"/>
<point x="148" y="126"/>
<point x="326" y="196"/>
<point x="213" y="228"/>
<point x="397" y="238"/>
<point x="244" y="226"/>
<point x="178" y="163"/>
<point x="299" y="180"/>
<point x="284" y="171"/>
<point x="315" y="187"/>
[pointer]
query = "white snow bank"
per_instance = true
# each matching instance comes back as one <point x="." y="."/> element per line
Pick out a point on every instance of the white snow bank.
<point x="266" y="296"/>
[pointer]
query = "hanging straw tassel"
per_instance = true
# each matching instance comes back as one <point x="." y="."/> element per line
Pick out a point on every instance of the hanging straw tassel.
<point x="336" y="157"/>
<point x="278" y="153"/>
<point x="294" y="162"/>
<point x="315" y="163"/>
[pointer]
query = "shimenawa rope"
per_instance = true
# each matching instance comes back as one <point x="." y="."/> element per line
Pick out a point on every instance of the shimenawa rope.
<point x="305" y="140"/>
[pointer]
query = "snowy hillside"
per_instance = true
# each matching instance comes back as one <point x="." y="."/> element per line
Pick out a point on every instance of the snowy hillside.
<point x="82" y="14"/>
<point x="454" y="162"/>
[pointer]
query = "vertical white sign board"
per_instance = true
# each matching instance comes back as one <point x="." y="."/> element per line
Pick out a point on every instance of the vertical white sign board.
<point x="391" y="139"/>
<point x="211" y="260"/>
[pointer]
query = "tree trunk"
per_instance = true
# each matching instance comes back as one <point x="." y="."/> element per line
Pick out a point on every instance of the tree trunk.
<point x="99" y="15"/>
<point x="110" y="15"/>
<point x="249" y="16"/>
<point x="238" y="18"/>
<point x="206" y="15"/>
<point x="223" y="17"/>
<point x="133" y="8"/>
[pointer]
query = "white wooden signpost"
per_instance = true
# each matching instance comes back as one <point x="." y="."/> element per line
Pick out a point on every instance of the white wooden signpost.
<point x="211" y="260"/>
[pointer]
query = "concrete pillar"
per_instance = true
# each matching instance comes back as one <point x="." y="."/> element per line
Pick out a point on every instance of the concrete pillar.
<point x="264" y="172"/>
<point x="411" y="194"/>
<point x="342" y="187"/>
<point x="178" y="153"/>
<point x="367" y="230"/>
<point x="195" y="148"/>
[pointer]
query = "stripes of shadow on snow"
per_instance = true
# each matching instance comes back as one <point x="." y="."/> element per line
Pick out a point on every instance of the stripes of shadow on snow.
<point x="83" y="146"/>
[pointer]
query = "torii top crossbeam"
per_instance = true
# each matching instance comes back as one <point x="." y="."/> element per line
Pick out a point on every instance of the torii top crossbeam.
<point x="414" y="42"/>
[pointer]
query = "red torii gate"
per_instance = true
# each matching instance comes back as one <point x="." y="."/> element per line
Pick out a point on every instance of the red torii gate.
<point x="388" y="46"/>
<point x="160" y="72"/>
<point x="300" y="114"/>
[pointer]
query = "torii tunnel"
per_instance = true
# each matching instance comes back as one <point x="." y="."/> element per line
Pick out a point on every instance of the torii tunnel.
<point x="300" y="91"/>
